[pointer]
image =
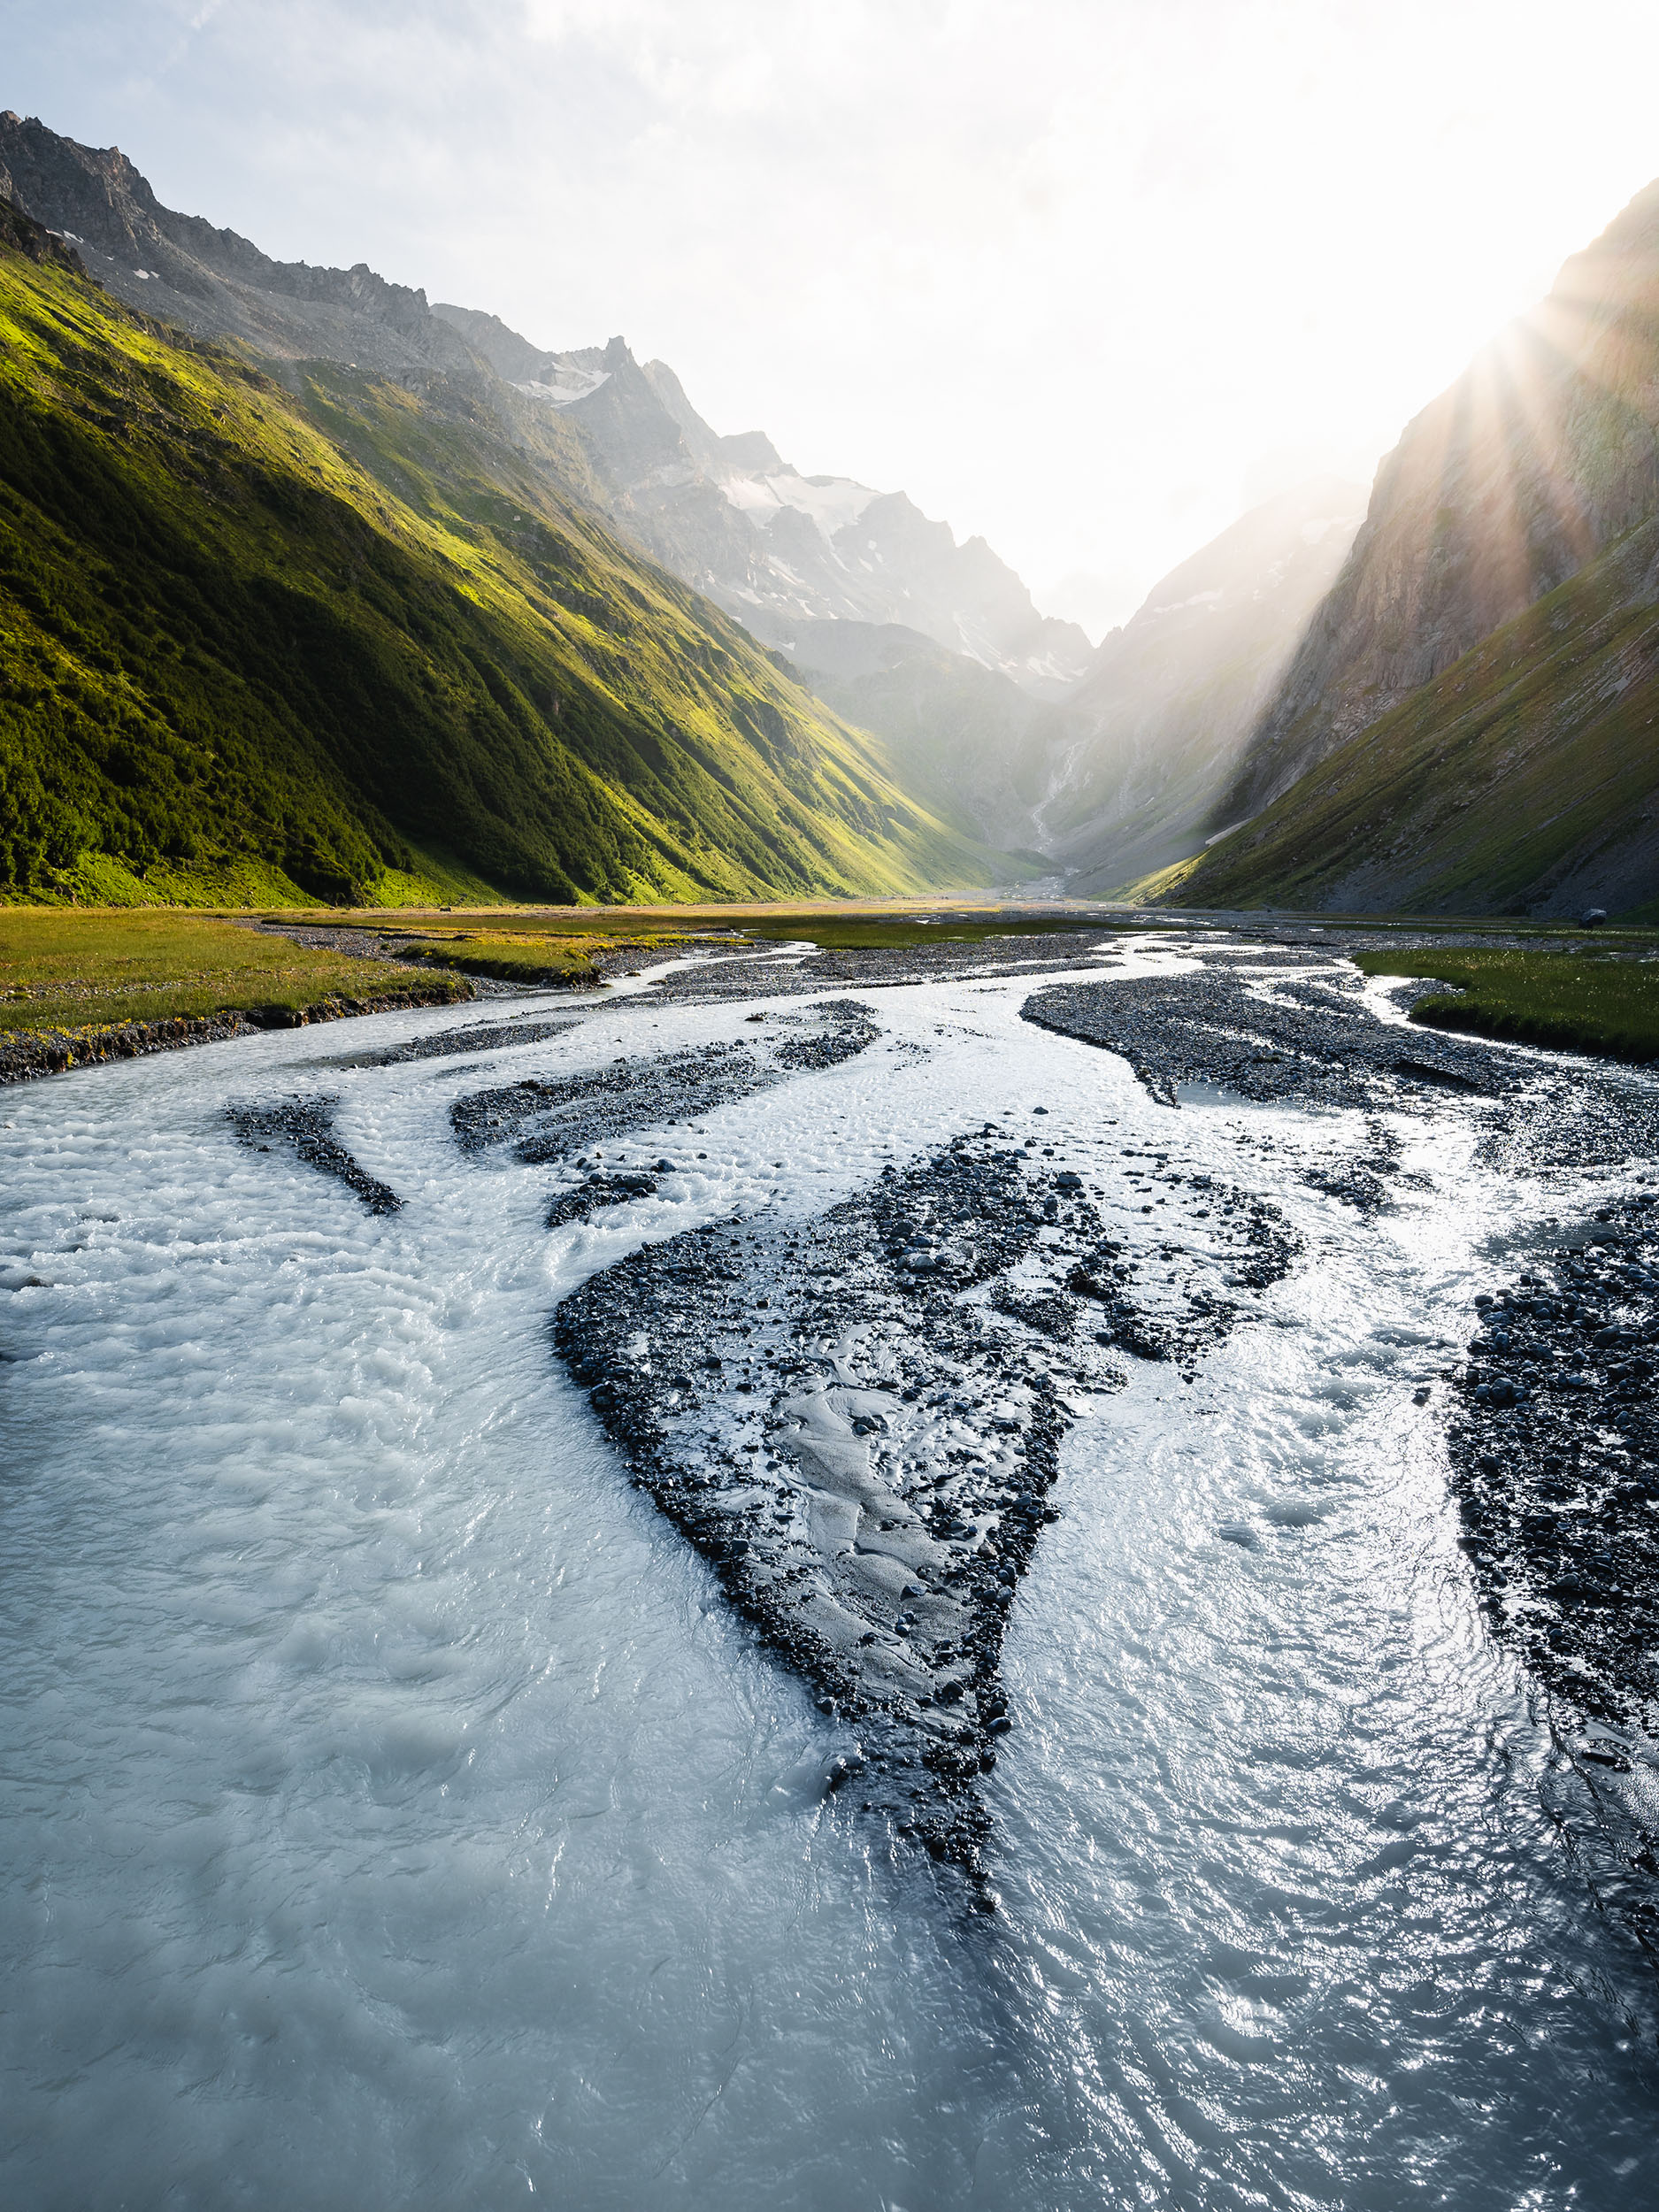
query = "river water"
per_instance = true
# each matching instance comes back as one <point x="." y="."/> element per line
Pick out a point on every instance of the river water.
<point x="395" y="1816"/>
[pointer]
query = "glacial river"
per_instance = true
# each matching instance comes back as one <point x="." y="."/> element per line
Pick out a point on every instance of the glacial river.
<point x="396" y="1817"/>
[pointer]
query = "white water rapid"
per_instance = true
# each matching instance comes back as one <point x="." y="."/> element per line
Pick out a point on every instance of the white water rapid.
<point x="395" y="1817"/>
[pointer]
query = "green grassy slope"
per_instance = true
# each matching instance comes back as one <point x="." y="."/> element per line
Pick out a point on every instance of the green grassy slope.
<point x="1524" y="779"/>
<point x="1607" y="1006"/>
<point x="297" y="642"/>
<point x="63" y="969"/>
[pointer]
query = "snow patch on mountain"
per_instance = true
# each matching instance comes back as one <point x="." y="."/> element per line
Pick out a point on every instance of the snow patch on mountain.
<point x="833" y="503"/>
<point x="581" y="383"/>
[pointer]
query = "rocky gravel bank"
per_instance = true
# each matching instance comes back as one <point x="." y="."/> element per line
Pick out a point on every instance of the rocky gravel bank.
<point x="856" y="1420"/>
<point x="1551" y="1433"/>
<point x="28" y="1054"/>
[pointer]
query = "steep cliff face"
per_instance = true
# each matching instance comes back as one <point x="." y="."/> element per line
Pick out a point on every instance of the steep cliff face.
<point x="1137" y="761"/>
<point x="1539" y="457"/>
<point x="1523" y="779"/>
<point x="775" y="548"/>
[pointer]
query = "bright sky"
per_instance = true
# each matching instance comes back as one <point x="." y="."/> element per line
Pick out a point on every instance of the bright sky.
<point x="1084" y="276"/>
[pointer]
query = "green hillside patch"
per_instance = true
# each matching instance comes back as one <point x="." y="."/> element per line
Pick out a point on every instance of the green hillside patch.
<point x="304" y="642"/>
<point x="1607" y="1006"/>
<point x="550" y="957"/>
<point x="1523" y="779"/>
<point x="242" y="881"/>
<point x="68" y="968"/>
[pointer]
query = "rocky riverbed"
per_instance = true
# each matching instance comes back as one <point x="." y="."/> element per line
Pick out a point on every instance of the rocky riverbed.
<point x="1550" y="1427"/>
<point x="778" y="1395"/>
<point x="856" y="1420"/>
<point x="561" y="1556"/>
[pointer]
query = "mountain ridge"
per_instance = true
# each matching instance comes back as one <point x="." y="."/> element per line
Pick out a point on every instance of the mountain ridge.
<point x="213" y="281"/>
<point x="772" y="546"/>
<point x="1139" y="756"/>
<point x="1532" y="463"/>
<point x="621" y="438"/>
<point x="329" y="627"/>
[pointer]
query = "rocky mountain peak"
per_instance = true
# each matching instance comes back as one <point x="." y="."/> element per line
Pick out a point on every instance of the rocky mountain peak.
<point x="213" y="281"/>
<point x="778" y="549"/>
<point x="727" y="514"/>
<point x="29" y="238"/>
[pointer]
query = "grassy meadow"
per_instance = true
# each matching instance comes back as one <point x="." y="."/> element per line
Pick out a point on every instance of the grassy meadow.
<point x="77" y="967"/>
<point x="66" y="969"/>
<point x="1603" y="1005"/>
<point x="534" y="958"/>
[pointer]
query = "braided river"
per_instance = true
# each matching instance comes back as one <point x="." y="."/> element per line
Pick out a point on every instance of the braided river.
<point x="397" y="1815"/>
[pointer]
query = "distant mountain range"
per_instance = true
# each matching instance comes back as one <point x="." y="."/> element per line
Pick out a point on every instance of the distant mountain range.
<point x="297" y="597"/>
<point x="1471" y="722"/>
<point x="1135" y="761"/>
<point x="727" y="515"/>
<point x="1123" y="776"/>
<point x="536" y="676"/>
<point x="777" y="549"/>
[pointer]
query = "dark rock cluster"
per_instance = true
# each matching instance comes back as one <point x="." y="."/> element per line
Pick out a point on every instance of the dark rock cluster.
<point x="595" y="1193"/>
<point x="551" y="1117"/>
<point x="1364" y="1180"/>
<point x="1553" y="1448"/>
<point x="1555" y="1452"/>
<point x="26" y="1054"/>
<point x="449" y="1044"/>
<point x="1264" y="1039"/>
<point x="856" y="1419"/>
<point x="305" y="1127"/>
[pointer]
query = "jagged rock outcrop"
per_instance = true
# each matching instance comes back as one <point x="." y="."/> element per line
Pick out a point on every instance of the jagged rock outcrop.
<point x="31" y="239"/>
<point x="727" y="514"/>
<point x="213" y="282"/>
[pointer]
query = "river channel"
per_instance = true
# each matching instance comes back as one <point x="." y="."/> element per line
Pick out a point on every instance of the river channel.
<point x="399" y="1814"/>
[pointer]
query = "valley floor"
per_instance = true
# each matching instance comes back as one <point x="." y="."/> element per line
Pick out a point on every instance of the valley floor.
<point x="1010" y="1571"/>
<point x="79" y="986"/>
